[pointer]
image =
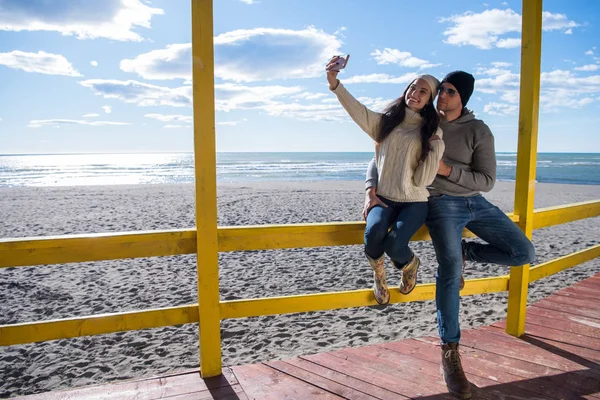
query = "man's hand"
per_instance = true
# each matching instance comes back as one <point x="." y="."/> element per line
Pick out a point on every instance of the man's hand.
<point x="371" y="200"/>
<point x="444" y="169"/>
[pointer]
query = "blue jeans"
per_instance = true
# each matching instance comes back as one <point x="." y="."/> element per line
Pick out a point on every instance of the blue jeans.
<point x="404" y="219"/>
<point x="506" y="245"/>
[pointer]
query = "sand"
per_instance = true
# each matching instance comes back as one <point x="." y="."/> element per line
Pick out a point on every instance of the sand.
<point x="61" y="291"/>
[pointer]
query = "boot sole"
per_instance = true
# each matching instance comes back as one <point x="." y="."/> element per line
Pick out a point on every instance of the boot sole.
<point x="377" y="300"/>
<point x="455" y="394"/>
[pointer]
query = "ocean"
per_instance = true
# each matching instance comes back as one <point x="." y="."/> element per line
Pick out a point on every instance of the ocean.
<point x="153" y="168"/>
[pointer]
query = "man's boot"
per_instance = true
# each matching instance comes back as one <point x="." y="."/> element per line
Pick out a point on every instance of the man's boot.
<point x="451" y="368"/>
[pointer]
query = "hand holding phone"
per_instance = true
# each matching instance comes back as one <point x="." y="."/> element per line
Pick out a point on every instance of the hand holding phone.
<point x="337" y="63"/>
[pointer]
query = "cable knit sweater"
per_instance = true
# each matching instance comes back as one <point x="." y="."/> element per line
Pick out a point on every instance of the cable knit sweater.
<point x="402" y="176"/>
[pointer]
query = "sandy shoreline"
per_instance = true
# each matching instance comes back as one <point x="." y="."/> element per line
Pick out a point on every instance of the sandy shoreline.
<point x="51" y="292"/>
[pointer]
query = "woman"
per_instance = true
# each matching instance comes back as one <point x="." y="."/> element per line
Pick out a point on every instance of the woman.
<point x="408" y="150"/>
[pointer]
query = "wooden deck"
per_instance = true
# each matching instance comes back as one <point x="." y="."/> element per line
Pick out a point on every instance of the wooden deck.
<point x="557" y="358"/>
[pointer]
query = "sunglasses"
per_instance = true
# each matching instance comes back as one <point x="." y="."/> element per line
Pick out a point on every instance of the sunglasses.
<point x="449" y="92"/>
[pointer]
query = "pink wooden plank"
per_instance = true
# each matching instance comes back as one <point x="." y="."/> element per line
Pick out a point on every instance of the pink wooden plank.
<point x="558" y="320"/>
<point x="509" y="346"/>
<point x="580" y="292"/>
<point x="552" y="350"/>
<point x="146" y="388"/>
<point x="388" y="379"/>
<point x="344" y="379"/>
<point x="260" y="381"/>
<point x="570" y="309"/>
<point x="319" y="381"/>
<point x="582" y="304"/>
<point x="559" y="330"/>
<point x="496" y="375"/>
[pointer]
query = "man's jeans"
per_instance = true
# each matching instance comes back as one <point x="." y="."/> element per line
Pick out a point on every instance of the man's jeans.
<point x="507" y="245"/>
<point x="404" y="219"/>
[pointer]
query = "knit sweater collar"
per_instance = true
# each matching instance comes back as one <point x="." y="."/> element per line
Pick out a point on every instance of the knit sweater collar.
<point x="411" y="118"/>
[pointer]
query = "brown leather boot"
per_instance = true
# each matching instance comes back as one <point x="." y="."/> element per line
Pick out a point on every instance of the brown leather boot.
<point x="451" y="368"/>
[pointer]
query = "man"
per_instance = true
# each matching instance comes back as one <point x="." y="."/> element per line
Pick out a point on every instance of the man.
<point x="467" y="168"/>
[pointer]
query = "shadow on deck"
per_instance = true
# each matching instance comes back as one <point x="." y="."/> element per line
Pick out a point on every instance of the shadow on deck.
<point x="557" y="358"/>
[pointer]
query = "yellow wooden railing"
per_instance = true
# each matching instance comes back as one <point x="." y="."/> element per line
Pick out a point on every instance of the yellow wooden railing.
<point x="207" y="240"/>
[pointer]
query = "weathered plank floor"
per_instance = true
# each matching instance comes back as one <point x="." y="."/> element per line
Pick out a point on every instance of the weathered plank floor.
<point x="557" y="358"/>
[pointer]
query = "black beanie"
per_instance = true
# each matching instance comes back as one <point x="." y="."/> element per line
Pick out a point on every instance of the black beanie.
<point x="464" y="84"/>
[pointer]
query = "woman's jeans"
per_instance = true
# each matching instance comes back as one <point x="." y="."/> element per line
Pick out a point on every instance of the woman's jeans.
<point x="404" y="219"/>
<point x="506" y="245"/>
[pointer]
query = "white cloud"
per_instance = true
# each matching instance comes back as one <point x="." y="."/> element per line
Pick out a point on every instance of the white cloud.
<point x="590" y="52"/>
<point x="231" y="123"/>
<point x="499" y="82"/>
<point x="40" y="62"/>
<point x="484" y="30"/>
<point x="168" y="126"/>
<point x="492" y="71"/>
<point x="307" y="112"/>
<point x="401" y="58"/>
<point x="340" y="31"/>
<point x="501" y="64"/>
<point x="500" y="109"/>
<point x="90" y="115"/>
<point x="245" y="55"/>
<point x="552" y="22"/>
<point x="139" y="93"/>
<point x="381" y="78"/>
<point x="569" y="31"/>
<point x="589" y="67"/>
<point x="558" y="90"/>
<point x="107" y="109"/>
<point x="309" y="96"/>
<point x="110" y="19"/>
<point x="94" y="63"/>
<point x="509" y="43"/>
<point x="249" y="1"/>
<point x="228" y="96"/>
<point x="173" y="62"/>
<point x="330" y="111"/>
<point x="38" y="123"/>
<point x="171" y="117"/>
<point x="231" y="96"/>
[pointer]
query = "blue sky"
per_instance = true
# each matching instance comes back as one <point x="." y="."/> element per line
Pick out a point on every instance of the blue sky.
<point x="114" y="76"/>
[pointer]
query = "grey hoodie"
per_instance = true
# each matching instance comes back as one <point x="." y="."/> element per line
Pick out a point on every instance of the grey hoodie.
<point x="469" y="151"/>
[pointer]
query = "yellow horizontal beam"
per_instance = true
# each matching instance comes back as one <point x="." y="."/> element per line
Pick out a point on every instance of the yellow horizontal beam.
<point x="552" y="267"/>
<point x="348" y="299"/>
<point x="31" y="332"/>
<point x="557" y="215"/>
<point x="18" y="252"/>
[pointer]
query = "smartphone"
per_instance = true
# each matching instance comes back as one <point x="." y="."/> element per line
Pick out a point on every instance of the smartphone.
<point x="340" y="63"/>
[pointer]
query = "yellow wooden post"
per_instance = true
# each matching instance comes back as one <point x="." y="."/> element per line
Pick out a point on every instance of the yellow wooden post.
<point x="206" y="187"/>
<point x="531" y="51"/>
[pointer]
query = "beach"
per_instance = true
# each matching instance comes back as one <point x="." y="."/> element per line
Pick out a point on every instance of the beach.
<point x="69" y="290"/>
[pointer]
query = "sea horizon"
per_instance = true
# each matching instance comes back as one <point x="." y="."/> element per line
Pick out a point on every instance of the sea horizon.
<point x="84" y="169"/>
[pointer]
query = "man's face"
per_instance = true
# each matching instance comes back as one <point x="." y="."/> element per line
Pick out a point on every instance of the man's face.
<point x="448" y="99"/>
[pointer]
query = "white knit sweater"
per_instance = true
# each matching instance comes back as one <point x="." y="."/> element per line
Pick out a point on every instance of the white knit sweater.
<point x="402" y="176"/>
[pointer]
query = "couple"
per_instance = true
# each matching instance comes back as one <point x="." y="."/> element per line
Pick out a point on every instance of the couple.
<point x="430" y="168"/>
